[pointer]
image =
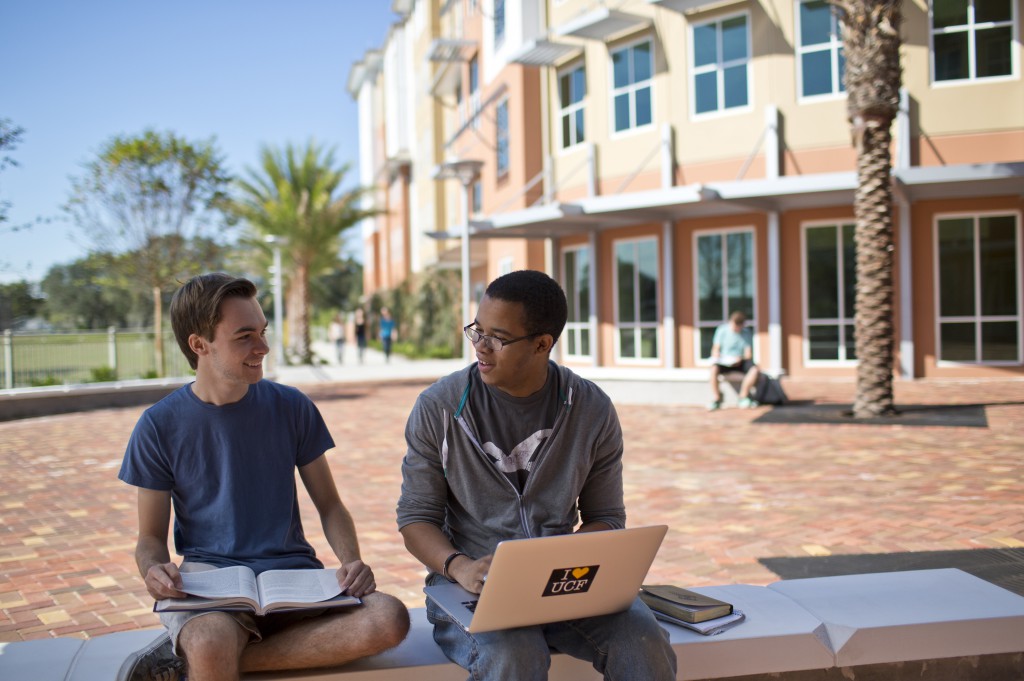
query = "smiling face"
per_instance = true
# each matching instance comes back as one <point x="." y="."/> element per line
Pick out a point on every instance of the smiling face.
<point x="233" y="359"/>
<point x="519" y="369"/>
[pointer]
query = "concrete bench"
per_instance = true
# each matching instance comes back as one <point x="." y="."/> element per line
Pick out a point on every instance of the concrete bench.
<point x="887" y="625"/>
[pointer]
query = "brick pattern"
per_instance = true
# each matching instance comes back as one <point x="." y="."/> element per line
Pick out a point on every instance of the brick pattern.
<point x="731" y="491"/>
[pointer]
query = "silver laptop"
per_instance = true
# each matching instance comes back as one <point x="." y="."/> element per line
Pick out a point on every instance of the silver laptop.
<point x="551" y="579"/>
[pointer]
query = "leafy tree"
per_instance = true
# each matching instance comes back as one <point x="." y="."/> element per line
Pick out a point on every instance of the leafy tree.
<point x="85" y="294"/>
<point x="337" y="288"/>
<point x="871" y="43"/>
<point x="17" y="303"/>
<point x="297" y="196"/>
<point x="10" y="136"/>
<point x="149" y="195"/>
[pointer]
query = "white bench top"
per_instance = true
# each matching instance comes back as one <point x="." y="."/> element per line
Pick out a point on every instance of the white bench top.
<point x="793" y="625"/>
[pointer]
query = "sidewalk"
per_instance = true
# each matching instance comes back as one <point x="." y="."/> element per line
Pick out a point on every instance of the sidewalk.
<point x="732" y="490"/>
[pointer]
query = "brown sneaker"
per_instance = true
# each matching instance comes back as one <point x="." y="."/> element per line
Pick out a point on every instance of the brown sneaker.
<point x="155" y="662"/>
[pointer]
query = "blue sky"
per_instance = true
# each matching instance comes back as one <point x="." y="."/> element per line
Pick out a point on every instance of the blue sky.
<point x="247" y="72"/>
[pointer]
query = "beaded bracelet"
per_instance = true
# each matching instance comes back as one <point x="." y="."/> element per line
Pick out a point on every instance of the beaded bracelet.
<point x="447" y="562"/>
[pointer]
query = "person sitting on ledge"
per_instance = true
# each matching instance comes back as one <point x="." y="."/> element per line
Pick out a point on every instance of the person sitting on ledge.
<point x="225" y="449"/>
<point x="732" y="350"/>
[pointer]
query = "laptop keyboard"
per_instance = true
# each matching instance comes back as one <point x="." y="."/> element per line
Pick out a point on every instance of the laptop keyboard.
<point x="470" y="605"/>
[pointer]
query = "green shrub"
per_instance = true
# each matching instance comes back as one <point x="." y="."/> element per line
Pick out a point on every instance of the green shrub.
<point x="103" y="375"/>
<point x="49" y="379"/>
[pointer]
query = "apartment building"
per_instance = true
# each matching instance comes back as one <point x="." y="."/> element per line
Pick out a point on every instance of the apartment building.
<point x="670" y="161"/>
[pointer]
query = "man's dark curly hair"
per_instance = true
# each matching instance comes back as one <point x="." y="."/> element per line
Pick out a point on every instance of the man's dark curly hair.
<point x="543" y="300"/>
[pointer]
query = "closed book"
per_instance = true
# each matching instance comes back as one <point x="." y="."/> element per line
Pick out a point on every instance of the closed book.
<point x="683" y="604"/>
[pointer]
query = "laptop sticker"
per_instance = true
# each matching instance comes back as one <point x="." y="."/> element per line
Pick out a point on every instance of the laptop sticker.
<point x="570" y="580"/>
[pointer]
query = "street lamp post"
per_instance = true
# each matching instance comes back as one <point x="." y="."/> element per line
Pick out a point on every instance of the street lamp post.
<point x="466" y="172"/>
<point x="275" y="243"/>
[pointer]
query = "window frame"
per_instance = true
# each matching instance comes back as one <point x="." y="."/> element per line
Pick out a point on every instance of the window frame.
<point x="571" y="110"/>
<point x="637" y="326"/>
<point x="502" y="148"/>
<point x="498" y="23"/>
<point x="700" y="324"/>
<point x="845" y="318"/>
<point x="719" y="68"/>
<point x="576" y="328"/>
<point x="834" y="47"/>
<point x="977" y="318"/>
<point x="972" y="28"/>
<point x="631" y="89"/>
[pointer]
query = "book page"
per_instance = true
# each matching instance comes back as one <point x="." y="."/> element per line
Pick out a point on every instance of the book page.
<point x="229" y="582"/>
<point x="298" y="586"/>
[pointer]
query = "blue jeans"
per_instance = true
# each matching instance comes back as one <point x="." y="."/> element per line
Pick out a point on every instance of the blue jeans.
<point x="626" y="646"/>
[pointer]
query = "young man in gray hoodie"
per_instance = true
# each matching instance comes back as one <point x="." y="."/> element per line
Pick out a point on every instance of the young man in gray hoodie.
<point x="517" y="446"/>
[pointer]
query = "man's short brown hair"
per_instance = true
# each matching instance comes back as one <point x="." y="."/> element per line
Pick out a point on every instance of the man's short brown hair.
<point x="195" y="307"/>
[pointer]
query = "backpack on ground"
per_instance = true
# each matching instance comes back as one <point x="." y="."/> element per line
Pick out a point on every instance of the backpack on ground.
<point x="769" y="390"/>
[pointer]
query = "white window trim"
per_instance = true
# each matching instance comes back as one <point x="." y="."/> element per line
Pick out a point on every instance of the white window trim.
<point x="977" y="319"/>
<point x="630" y="89"/>
<point x="697" y="325"/>
<point x="636" y="326"/>
<point x="971" y="28"/>
<point x="572" y="108"/>
<point x="506" y="265"/>
<point x="719" y="69"/>
<point x="804" y="287"/>
<point x="833" y="46"/>
<point x="571" y="326"/>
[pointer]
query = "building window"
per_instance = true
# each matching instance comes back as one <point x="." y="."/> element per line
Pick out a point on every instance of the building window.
<point x="972" y="39"/>
<point x="576" y="273"/>
<point x="632" y="71"/>
<point x="501" y="138"/>
<point x="474" y="92"/>
<point x="499" y="23"/>
<point x="476" y="198"/>
<point x="821" y="59"/>
<point x="830" y="266"/>
<point x="979" y="285"/>
<point x="721" y="59"/>
<point x="506" y="265"/>
<point x="636" y="299"/>
<point x="572" y="87"/>
<point x="725" y="282"/>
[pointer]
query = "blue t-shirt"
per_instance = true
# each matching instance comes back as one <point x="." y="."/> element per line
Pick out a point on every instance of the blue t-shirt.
<point x="387" y="327"/>
<point x="231" y="473"/>
<point x="731" y="343"/>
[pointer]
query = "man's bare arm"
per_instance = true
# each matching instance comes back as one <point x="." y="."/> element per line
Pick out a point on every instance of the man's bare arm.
<point x="154" y="561"/>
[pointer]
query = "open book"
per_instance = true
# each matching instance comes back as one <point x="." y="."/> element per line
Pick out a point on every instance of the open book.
<point x="238" y="588"/>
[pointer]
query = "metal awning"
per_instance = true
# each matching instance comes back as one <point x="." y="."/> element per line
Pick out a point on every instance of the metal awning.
<point x="603" y="24"/>
<point x="781" y="194"/>
<point x="694" y="6"/>
<point x="545" y="53"/>
<point x="451" y="50"/>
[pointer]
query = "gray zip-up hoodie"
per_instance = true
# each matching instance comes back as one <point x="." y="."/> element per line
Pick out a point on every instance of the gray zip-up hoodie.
<point x="449" y="481"/>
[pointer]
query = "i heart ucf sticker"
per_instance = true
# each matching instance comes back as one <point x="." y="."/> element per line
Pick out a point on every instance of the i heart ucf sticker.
<point x="580" y="572"/>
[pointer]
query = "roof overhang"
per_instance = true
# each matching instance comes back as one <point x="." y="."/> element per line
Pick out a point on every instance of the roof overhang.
<point x="364" y="70"/>
<point x="545" y="53"/>
<point x="694" y="6"/>
<point x="451" y="50"/>
<point x="595" y="214"/>
<point x="603" y="24"/>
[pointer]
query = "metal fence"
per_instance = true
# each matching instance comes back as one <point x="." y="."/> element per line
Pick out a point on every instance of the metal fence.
<point x="29" y="360"/>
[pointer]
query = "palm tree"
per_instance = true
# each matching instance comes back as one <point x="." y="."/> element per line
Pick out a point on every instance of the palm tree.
<point x="871" y="42"/>
<point x="296" y="195"/>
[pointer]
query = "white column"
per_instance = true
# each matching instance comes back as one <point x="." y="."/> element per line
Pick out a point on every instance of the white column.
<point x="774" y="297"/>
<point x="467" y="347"/>
<point x="595" y="340"/>
<point x="668" y="295"/>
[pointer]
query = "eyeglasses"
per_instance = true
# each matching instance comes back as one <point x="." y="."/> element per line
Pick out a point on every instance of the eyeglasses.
<point x="492" y="342"/>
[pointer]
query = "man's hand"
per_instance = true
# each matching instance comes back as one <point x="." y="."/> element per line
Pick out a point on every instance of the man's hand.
<point x="164" y="581"/>
<point x="356" y="579"/>
<point x="471" y="574"/>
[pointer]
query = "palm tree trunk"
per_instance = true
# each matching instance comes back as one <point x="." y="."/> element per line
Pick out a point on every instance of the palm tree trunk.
<point x="871" y="41"/>
<point x="158" y="332"/>
<point x="298" y="315"/>
<point x="873" y="327"/>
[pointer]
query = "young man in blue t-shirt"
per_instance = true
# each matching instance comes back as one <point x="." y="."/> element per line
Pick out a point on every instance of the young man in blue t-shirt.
<point x="223" y="452"/>
<point x="732" y="350"/>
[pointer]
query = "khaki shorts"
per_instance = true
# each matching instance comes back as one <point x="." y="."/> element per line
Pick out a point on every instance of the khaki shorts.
<point x="258" y="627"/>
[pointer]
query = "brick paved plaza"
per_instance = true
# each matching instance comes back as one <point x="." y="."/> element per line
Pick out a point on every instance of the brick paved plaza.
<point x="731" y="490"/>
